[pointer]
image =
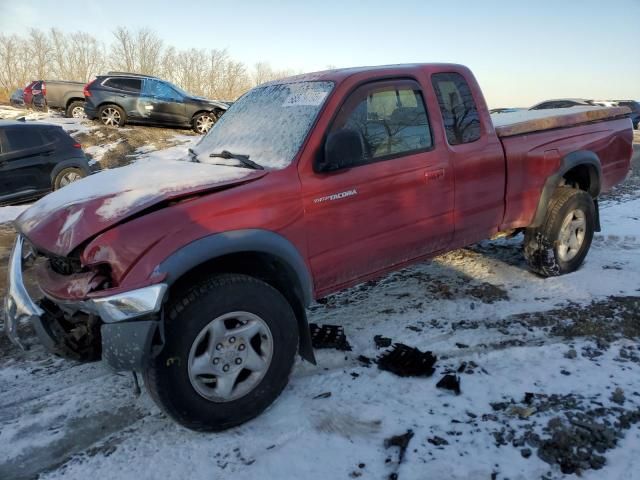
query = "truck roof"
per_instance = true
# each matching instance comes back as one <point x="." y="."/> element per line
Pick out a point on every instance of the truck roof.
<point x="66" y="82"/>
<point x="340" y="74"/>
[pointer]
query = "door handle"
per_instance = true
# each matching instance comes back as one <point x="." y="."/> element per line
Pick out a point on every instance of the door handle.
<point x="434" y="174"/>
<point x="47" y="153"/>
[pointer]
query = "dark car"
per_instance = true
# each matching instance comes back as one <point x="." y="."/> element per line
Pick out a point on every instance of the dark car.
<point x="118" y="98"/>
<point x="563" y="103"/>
<point x="17" y="98"/>
<point x="635" y="110"/>
<point x="58" y="94"/>
<point x="36" y="158"/>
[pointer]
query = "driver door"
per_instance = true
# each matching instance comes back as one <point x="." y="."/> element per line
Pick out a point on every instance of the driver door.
<point x="162" y="103"/>
<point x="394" y="205"/>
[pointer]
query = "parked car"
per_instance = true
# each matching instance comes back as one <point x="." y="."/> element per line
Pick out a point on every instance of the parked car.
<point x="59" y="94"/>
<point x="36" y="158"/>
<point x="17" y="98"/>
<point x="118" y="98"/>
<point x="197" y="274"/>
<point x="563" y="103"/>
<point x="65" y="95"/>
<point x="634" y="106"/>
<point x="34" y="95"/>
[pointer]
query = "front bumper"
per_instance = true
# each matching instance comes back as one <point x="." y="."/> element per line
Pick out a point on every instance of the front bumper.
<point x="127" y="328"/>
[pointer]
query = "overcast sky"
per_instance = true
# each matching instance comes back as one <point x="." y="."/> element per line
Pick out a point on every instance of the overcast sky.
<point x="521" y="51"/>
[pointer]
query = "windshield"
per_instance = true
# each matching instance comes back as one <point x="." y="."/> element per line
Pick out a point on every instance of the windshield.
<point x="268" y="124"/>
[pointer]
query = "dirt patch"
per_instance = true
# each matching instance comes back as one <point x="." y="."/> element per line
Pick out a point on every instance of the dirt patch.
<point x="121" y="144"/>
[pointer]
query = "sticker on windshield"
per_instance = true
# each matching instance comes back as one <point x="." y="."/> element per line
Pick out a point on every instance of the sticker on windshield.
<point x="304" y="97"/>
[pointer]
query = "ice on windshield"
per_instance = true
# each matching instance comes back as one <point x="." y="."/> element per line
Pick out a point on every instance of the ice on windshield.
<point x="268" y="124"/>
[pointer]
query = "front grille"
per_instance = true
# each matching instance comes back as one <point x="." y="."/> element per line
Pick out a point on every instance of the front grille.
<point x="65" y="265"/>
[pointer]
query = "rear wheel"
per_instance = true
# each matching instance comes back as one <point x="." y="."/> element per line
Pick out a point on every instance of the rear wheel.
<point x="111" y="116"/>
<point x="562" y="242"/>
<point x="67" y="176"/>
<point x="75" y="110"/>
<point x="229" y="349"/>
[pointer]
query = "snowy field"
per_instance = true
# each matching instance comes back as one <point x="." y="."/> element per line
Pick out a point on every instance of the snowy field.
<point x="549" y="374"/>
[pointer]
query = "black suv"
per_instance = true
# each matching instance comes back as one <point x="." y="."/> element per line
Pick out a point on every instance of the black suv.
<point x="36" y="158"/>
<point x="117" y="98"/>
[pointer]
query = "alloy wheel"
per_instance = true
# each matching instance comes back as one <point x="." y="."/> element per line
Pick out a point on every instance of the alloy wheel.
<point x="230" y="356"/>
<point x="204" y="123"/>
<point x="572" y="234"/>
<point x="111" y="117"/>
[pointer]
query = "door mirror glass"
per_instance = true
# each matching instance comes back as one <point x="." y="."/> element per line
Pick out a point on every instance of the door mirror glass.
<point x="343" y="149"/>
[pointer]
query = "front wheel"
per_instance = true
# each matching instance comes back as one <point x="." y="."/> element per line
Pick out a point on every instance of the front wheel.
<point x="562" y="242"/>
<point x="230" y="347"/>
<point x="203" y="122"/>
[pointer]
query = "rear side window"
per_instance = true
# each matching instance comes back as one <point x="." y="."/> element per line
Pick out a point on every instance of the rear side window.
<point x="21" y="138"/>
<point x="459" y="111"/>
<point x="391" y="118"/>
<point x="133" y="85"/>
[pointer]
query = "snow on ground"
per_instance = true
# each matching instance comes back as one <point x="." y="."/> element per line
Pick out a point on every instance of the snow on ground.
<point x="10" y="213"/>
<point x="569" y="341"/>
<point x="480" y="306"/>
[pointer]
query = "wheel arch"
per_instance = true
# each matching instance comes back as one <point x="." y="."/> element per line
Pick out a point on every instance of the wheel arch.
<point x="72" y="99"/>
<point x="205" y="110"/>
<point x="581" y="168"/>
<point x="68" y="163"/>
<point x="259" y="253"/>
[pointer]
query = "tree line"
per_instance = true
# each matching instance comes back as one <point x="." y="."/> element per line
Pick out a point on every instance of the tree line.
<point x="79" y="56"/>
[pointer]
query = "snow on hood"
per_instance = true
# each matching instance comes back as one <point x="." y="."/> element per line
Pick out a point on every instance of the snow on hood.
<point x="65" y="218"/>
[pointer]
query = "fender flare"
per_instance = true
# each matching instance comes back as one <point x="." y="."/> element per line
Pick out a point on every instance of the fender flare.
<point x="71" y="97"/>
<point x="248" y="240"/>
<point x="572" y="160"/>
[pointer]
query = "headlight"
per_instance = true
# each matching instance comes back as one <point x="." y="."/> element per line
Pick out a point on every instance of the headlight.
<point x="130" y="304"/>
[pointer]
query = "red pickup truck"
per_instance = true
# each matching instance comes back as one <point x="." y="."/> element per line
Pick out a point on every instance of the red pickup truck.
<point x="198" y="273"/>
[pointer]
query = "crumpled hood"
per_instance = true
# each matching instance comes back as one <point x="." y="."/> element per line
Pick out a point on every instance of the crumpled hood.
<point x="62" y="220"/>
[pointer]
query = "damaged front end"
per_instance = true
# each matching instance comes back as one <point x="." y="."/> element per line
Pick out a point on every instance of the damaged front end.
<point x="76" y="319"/>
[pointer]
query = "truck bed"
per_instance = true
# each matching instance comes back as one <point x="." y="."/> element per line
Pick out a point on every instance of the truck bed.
<point x="528" y="121"/>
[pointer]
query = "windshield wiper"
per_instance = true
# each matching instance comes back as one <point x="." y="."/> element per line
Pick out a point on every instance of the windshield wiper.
<point x="244" y="159"/>
<point x="193" y="156"/>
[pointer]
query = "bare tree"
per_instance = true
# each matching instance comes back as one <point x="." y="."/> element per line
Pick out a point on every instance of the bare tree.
<point x="38" y="51"/>
<point x="80" y="56"/>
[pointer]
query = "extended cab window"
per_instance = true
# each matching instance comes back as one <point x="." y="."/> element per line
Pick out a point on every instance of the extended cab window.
<point x="459" y="111"/>
<point x="390" y="117"/>
<point x="127" y="84"/>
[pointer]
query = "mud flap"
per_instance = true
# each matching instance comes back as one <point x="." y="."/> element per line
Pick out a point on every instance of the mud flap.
<point x="540" y="255"/>
<point x="126" y="345"/>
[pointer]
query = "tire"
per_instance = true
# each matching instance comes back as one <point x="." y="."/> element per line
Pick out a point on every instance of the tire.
<point x="552" y="249"/>
<point x="112" y="116"/>
<point x="202" y="122"/>
<point x="75" y="110"/>
<point x="68" y="175"/>
<point x="171" y="377"/>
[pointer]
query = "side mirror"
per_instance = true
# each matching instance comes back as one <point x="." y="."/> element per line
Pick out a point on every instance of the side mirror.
<point x="343" y="149"/>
